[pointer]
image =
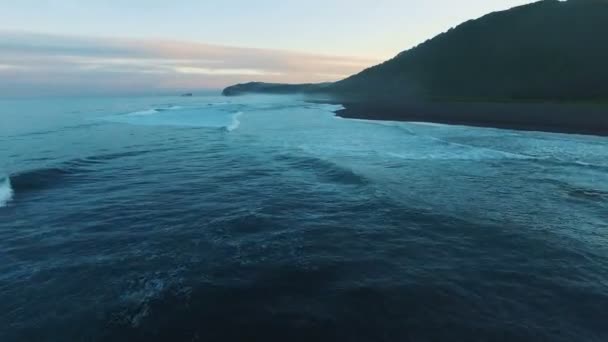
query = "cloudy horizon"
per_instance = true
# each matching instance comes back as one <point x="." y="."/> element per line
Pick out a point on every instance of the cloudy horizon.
<point x="44" y="64"/>
<point x="63" y="47"/>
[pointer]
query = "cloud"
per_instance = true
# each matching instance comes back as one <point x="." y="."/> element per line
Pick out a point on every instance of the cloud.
<point x="49" y="64"/>
<point x="210" y="71"/>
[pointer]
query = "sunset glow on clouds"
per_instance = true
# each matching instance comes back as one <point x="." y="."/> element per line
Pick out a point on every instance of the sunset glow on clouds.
<point x="152" y="46"/>
<point x="49" y="64"/>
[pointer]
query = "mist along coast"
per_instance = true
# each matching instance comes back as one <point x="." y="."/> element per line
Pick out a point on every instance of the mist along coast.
<point x="533" y="115"/>
<point x="539" y="66"/>
<point x="577" y="118"/>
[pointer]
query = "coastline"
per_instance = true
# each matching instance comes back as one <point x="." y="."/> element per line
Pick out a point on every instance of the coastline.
<point x="569" y="118"/>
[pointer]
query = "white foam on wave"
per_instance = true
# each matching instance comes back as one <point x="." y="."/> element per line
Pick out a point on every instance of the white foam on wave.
<point x="142" y="297"/>
<point x="153" y="111"/>
<point x="235" y="122"/>
<point x="6" y="191"/>
<point x="431" y="124"/>
<point x="144" y="112"/>
<point x="225" y="119"/>
<point x="448" y="150"/>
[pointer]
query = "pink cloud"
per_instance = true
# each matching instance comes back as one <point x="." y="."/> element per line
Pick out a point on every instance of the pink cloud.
<point x="103" y="64"/>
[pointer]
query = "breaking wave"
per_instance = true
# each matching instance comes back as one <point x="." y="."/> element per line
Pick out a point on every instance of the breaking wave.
<point x="325" y="170"/>
<point x="144" y="112"/>
<point x="39" y="179"/>
<point x="49" y="177"/>
<point x="154" y="111"/>
<point x="203" y="116"/>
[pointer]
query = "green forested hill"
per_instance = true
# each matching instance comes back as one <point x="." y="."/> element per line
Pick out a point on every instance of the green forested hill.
<point x="548" y="50"/>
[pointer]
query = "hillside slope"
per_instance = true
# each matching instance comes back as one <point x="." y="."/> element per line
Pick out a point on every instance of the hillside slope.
<point x="549" y="50"/>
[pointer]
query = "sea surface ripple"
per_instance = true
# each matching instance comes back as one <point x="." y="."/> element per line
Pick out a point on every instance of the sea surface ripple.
<point x="269" y="219"/>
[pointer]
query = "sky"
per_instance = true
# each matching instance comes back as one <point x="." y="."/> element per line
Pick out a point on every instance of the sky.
<point x="99" y="46"/>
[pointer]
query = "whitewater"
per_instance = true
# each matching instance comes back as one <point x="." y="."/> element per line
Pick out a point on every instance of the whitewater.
<point x="6" y="192"/>
<point x="268" y="218"/>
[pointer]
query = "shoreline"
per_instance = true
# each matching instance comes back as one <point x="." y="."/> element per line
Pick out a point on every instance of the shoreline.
<point x="585" y="119"/>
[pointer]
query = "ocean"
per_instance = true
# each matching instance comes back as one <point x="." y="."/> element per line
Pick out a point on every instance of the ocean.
<point x="263" y="218"/>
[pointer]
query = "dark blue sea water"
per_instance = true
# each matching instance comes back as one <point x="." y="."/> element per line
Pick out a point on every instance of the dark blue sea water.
<point x="269" y="219"/>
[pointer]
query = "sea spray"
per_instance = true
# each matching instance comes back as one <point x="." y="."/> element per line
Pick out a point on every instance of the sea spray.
<point x="235" y="122"/>
<point x="6" y="192"/>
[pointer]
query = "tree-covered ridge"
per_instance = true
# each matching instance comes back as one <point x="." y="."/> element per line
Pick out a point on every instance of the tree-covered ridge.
<point x="549" y="50"/>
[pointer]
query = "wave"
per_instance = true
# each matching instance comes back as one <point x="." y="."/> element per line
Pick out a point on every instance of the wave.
<point x="576" y="190"/>
<point x="6" y="191"/>
<point x="468" y="154"/>
<point x="111" y="156"/>
<point x="144" y="112"/>
<point x="168" y="108"/>
<point x="53" y="131"/>
<point x="590" y="194"/>
<point x="206" y="117"/>
<point x="235" y="122"/>
<point x="154" y="111"/>
<point x="480" y="152"/>
<point x="229" y="312"/>
<point x="552" y="161"/>
<point x="48" y="177"/>
<point x="430" y="124"/>
<point x="325" y="170"/>
<point x="38" y="179"/>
